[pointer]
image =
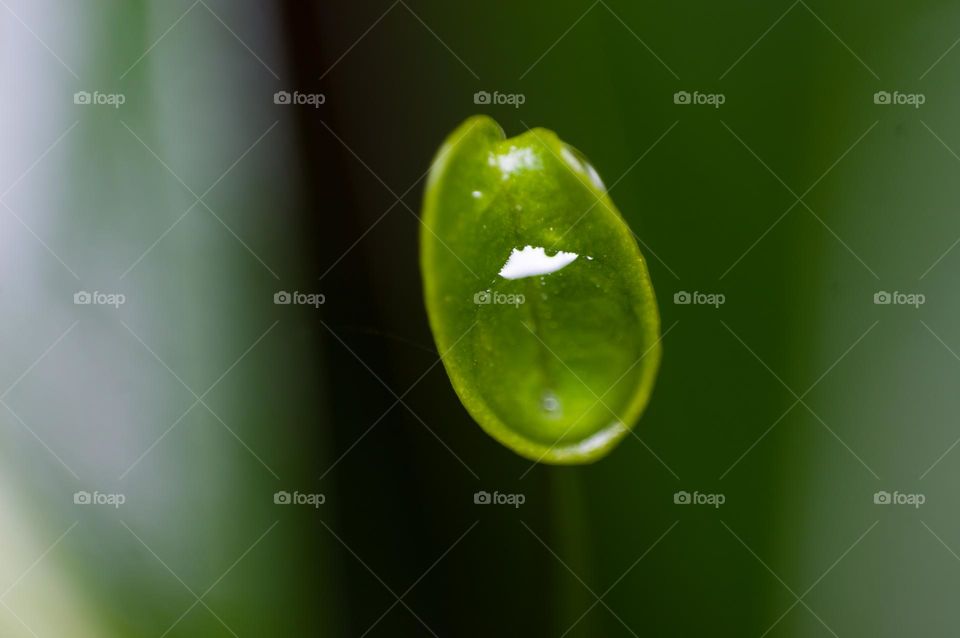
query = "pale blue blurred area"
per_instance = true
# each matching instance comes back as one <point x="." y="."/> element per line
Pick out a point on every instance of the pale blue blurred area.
<point x="197" y="398"/>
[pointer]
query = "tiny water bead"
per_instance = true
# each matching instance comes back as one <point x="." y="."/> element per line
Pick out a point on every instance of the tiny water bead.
<point x="537" y="294"/>
<point x="576" y="160"/>
<point x="550" y="403"/>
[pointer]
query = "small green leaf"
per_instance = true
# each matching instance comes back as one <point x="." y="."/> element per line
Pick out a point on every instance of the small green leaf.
<point x="538" y="297"/>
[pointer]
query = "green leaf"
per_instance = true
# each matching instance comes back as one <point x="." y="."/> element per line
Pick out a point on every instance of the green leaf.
<point x="538" y="297"/>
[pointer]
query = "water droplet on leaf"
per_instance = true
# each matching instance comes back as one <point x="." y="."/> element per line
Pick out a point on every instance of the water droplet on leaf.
<point x="559" y="359"/>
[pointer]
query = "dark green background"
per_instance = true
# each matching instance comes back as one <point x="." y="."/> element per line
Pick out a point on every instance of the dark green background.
<point x="305" y="210"/>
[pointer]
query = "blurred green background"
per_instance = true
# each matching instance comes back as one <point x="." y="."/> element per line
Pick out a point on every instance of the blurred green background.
<point x="198" y="400"/>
